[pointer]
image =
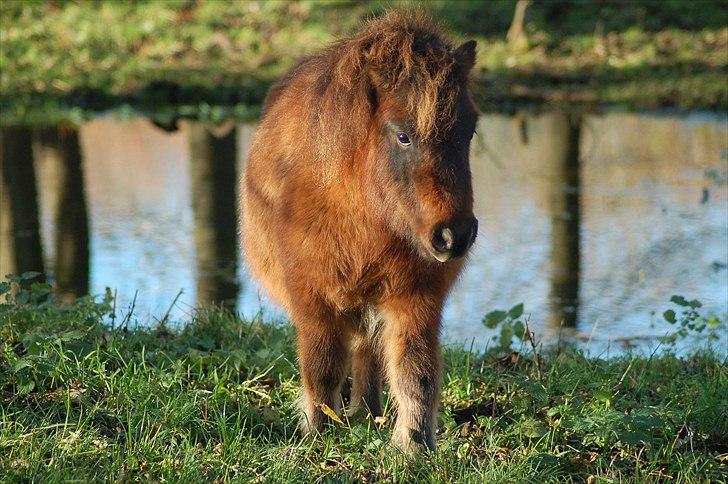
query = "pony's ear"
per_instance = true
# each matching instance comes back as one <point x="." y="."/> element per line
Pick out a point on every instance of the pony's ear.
<point x="465" y="55"/>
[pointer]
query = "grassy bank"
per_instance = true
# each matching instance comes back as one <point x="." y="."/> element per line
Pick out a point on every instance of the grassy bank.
<point x="215" y="60"/>
<point x="88" y="396"/>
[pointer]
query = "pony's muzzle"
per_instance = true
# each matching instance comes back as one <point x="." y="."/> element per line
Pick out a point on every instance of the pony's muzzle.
<point x="451" y="240"/>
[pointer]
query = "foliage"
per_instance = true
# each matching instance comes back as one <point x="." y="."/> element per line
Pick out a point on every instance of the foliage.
<point x="87" y="396"/>
<point x="511" y="325"/>
<point x="216" y="60"/>
<point x="690" y="321"/>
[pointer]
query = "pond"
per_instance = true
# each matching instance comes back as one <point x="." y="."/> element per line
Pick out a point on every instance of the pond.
<point x="596" y="262"/>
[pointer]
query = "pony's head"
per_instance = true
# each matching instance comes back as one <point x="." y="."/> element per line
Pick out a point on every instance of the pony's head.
<point x="403" y="91"/>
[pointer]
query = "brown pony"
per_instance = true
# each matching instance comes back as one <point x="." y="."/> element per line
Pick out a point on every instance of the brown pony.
<point x="357" y="210"/>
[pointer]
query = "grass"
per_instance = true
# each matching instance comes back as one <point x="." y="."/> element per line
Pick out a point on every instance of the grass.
<point x="634" y="68"/>
<point x="216" y="60"/>
<point x="87" y="396"/>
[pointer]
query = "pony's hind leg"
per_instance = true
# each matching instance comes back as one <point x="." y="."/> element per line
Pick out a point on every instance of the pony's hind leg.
<point x="366" y="375"/>
<point x="323" y="353"/>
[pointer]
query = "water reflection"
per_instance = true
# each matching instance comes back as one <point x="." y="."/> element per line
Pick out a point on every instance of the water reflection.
<point x="213" y="172"/>
<point x="20" y="243"/>
<point x="644" y="233"/>
<point x="565" y="218"/>
<point x="57" y="155"/>
<point x="592" y="221"/>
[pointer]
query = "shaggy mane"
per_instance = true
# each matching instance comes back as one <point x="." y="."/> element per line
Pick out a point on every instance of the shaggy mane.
<point x="407" y="53"/>
<point x="403" y="53"/>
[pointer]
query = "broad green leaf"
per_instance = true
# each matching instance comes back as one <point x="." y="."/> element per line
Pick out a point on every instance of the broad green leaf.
<point x="263" y="353"/>
<point x="532" y="428"/>
<point x="516" y="311"/>
<point x="23" y="297"/>
<point x="20" y="364"/>
<point x="679" y="300"/>
<point x="554" y="411"/>
<point x="669" y="316"/>
<point x="25" y="387"/>
<point x="71" y="335"/>
<point x="544" y="460"/>
<point x="492" y="319"/>
<point x="634" y="438"/>
<point x="645" y="422"/>
<point x="603" y="396"/>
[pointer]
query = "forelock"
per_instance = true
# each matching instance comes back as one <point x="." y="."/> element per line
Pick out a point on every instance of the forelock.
<point x="406" y="54"/>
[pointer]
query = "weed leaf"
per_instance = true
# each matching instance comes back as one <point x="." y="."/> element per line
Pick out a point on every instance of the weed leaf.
<point x="492" y="319"/>
<point x="679" y="300"/>
<point x="516" y="311"/>
<point x="25" y="388"/>
<point x="330" y="413"/>
<point x="669" y="316"/>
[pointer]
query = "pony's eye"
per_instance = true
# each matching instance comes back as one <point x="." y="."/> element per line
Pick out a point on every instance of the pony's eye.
<point x="403" y="139"/>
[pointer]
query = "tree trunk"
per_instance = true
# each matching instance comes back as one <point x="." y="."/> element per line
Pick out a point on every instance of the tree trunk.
<point x="60" y="150"/>
<point x="565" y="228"/>
<point x="20" y="243"/>
<point x="213" y="167"/>
<point x="516" y="34"/>
<point x="600" y="44"/>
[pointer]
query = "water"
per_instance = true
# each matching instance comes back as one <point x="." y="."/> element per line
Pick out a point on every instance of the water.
<point x="653" y="222"/>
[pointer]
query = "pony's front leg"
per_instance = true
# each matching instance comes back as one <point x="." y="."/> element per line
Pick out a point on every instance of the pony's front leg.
<point x="323" y="353"/>
<point x="414" y="367"/>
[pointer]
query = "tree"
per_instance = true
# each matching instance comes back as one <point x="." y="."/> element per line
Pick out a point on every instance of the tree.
<point x="516" y="34"/>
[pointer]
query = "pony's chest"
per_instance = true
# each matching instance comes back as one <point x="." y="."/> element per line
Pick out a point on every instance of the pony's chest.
<point x="370" y="281"/>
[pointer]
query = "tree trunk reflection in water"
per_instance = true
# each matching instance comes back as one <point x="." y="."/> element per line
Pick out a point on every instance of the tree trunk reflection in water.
<point x="565" y="215"/>
<point x="20" y="244"/>
<point x="213" y="182"/>
<point x="60" y="151"/>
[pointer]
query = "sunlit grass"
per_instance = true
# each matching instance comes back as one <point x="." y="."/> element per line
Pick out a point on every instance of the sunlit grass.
<point x="216" y="60"/>
<point x="83" y="400"/>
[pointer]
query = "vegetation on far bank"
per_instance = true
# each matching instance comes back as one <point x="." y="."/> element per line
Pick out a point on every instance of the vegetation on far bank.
<point x="214" y="60"/>
<point x="87" y="395"/>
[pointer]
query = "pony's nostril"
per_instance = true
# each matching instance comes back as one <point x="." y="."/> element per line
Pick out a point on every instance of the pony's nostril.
<point x="448" y="238"/>
<point x="442" y="239"/>
<point x="453" y="239"/>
